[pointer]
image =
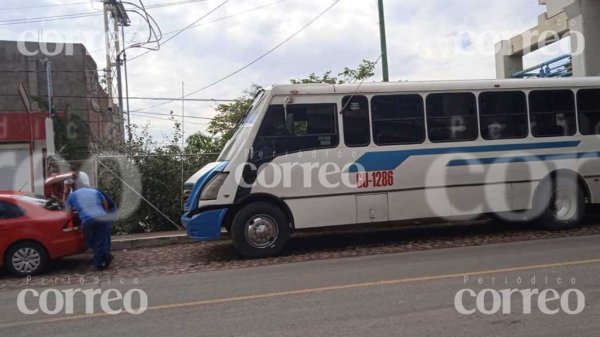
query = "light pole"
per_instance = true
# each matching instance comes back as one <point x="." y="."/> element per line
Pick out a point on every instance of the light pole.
<point x="384" y="56"/>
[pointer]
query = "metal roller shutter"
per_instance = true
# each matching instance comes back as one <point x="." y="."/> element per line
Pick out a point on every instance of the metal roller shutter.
<point x="15" y="167"/>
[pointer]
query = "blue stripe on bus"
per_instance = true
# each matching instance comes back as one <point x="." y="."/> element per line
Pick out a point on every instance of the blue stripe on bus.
<point x="523" y="159"/>
<point x="390" y="160"/>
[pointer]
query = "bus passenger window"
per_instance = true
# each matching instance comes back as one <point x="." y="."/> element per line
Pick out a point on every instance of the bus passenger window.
<point x="356" y="121"/>
<point x="503" y="115"/>
<point x="588" y="102"/>
<point x="451" y="117"/>
<point x="306" y="127"/>
<point x="398" y="119"/>
<point x="552" y="113"/>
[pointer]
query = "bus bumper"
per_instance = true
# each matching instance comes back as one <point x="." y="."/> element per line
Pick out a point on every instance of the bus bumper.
<point x="204" y="226"/>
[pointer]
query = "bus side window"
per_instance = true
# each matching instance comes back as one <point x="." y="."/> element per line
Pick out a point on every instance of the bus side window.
<point x="306" y="127"/>
<point x="452" y="117"/>
<point x="356" y="121"/>
<point x="503" y="115"/>
<point x="398" y="119"/>
<point x="552" y="113"/>
<point x="588" y="102"/>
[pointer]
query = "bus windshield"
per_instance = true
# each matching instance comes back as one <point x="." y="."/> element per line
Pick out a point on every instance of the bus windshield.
<point x="243" y="127"/>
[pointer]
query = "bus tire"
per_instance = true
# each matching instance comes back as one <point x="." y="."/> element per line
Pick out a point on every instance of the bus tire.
<point x="260" y="230"/>
<point x="563" y="204"/>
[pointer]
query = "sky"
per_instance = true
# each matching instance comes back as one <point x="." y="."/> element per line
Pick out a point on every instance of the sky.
<point x="427" y="40"/>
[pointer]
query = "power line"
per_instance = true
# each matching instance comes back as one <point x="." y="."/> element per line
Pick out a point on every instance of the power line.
<point x="216" y="100"/>
<point x="148" y="114"/>
<point x="253" y="61"/>
<point x="45" y="6"/>
<point x="165" y="119"/>
<point x="176" y="116"/>
<point x="85" y="14"/>
<point x="184" y="29"/>
<point x="214" y="21"/>
<point x="232" y="15"/>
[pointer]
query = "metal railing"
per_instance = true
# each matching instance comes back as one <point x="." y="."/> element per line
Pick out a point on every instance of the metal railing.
<point x="561" y="66"/>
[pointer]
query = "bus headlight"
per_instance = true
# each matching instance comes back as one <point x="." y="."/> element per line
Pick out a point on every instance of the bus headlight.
<point x="211" y="190"/>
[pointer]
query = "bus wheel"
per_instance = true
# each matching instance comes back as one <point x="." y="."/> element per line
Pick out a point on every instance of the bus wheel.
<point x="260" y="230"/>
<point x="564" y="204"/>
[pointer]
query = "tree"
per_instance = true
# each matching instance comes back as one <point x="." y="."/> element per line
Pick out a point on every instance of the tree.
<point x="221" y="127"/>
<point x="364" y="71"/>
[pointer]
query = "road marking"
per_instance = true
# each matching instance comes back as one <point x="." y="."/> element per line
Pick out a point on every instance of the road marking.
<point x="312" y="291"/>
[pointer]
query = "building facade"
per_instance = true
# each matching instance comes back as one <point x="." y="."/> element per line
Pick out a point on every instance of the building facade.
<point x="81" y="122"/>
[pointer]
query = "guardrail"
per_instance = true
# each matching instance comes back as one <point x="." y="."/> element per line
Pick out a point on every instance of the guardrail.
<point x="561" y="66"/>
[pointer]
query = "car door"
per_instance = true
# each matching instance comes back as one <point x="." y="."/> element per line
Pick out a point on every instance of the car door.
<point x="9" y="215"/>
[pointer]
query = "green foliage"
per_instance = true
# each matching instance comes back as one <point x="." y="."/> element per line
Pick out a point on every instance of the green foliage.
<point x="159" y="169"/>
<point x="364" y="71"/>
<point x="221" y="127"/>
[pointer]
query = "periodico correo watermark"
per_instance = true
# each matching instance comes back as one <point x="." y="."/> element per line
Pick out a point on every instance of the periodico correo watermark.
<point x="520" y="295"/>
<point x="84" y="298"/>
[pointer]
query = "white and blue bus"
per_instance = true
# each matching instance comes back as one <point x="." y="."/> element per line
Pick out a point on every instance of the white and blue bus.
<point x="320" y="155"/>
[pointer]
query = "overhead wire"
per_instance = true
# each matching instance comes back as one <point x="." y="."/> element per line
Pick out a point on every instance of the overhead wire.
<point x="83" y="14"/>
<point x="214" y="21"/>
<point x="44" y="6"/>
<point x="184" y="29"/>
<point x="251" y="63"/>
<point x="214" y="100"/>
<point x="230" y="16"/>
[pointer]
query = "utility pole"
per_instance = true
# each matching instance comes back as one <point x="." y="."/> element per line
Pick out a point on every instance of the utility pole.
<point x="126" y="87"/>
<point x="115" y="16"/>
<point x="50" y="89"/>
<point x="384" y="55"/>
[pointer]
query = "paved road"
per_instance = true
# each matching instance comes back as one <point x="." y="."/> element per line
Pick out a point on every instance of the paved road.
<point x="406" y="294"/>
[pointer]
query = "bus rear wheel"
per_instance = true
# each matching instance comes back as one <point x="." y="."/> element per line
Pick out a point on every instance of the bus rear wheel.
<point x="260" y="230"/>
<point x="563" y="204"/>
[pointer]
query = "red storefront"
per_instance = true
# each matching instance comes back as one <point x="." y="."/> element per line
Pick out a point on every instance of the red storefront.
<point x="22" y="151"/>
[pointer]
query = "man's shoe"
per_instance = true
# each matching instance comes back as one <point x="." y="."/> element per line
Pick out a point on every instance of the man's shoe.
<point x="101" y="268"/>
<point x="109" y="260"/>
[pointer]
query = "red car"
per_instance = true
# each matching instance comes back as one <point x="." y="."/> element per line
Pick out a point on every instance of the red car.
<point x="33" y="230"/>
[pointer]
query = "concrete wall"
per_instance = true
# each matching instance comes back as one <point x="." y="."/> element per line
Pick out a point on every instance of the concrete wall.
<point x="580" y="19"/>
<point x="585" y="19"/>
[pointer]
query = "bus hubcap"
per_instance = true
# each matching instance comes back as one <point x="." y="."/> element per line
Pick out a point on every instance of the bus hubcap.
<point x="565" y="205"/>
<point x="261" y="231"/>
<point x="26" y="260"/>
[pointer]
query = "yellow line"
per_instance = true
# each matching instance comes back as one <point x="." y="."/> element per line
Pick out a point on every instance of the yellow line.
<point x="313" y="291"/>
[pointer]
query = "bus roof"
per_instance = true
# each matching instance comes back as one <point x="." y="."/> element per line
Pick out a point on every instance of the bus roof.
<point x="428" y="86"/>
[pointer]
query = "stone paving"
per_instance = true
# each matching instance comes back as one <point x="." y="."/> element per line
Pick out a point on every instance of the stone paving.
<point x="199" y="257"/>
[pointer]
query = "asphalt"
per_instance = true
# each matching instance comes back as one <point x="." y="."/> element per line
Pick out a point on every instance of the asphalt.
<point x="406" y="294"/>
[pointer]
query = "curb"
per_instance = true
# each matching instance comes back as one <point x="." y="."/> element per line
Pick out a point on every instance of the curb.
<point x="120" y="243"/>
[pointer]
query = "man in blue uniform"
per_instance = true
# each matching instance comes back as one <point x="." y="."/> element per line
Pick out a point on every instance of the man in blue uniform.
<point x="93" y="207"/>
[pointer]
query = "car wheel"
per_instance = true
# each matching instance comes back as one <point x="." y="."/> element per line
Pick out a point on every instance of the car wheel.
<point x="564" y="205"/>
<point x="260" y="230"/>
<point x="26" y="258"/>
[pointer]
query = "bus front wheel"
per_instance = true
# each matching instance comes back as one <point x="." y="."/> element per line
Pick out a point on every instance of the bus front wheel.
<point x="259" y="230"/>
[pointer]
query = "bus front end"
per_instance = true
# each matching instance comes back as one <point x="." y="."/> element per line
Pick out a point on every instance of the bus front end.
<point x="215" y="188"/>
<point x="202" y="218"/>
